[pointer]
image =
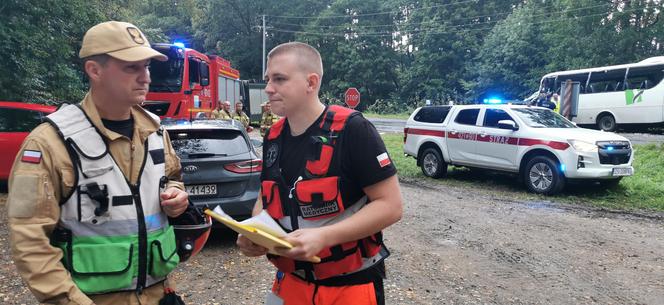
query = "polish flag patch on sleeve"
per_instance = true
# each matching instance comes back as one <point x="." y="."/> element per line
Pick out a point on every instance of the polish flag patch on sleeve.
<point x="31" y="156"/>
<point x="383" y="159"/>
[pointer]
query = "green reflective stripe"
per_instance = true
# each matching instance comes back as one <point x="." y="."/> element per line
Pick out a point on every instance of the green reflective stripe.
<point x="100" y="264"/>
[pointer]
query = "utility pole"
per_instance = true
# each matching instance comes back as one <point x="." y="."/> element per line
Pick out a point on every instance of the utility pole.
<point x="263" y="28"/>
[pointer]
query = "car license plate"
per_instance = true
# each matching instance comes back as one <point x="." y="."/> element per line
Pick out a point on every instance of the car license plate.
<point x="622" y="171"/>
<point x="202" y="189"/>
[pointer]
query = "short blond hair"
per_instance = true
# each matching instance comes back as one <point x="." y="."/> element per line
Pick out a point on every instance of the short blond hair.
<point x="307" y="56"/>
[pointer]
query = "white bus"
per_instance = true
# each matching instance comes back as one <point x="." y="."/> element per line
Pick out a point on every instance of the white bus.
<point x="616" y="95"/>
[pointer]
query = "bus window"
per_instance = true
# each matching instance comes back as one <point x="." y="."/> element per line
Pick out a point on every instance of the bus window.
<point x="606" y="81"/>
<point x="582" y="78"/>
<point x="549" y="84"/>
<point x="644" y="77"/>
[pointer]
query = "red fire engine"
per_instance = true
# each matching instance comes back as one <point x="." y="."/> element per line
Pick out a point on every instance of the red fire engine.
<point x="190" y="84"/>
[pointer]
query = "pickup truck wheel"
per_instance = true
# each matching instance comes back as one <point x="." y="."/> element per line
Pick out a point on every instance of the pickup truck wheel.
<point x="542" y="176"/>
<point x="433" y="164"/>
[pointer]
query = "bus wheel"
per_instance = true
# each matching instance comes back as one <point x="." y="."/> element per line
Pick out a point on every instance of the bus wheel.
<point x="607" y="122"/>
<point x="542" y="176"/>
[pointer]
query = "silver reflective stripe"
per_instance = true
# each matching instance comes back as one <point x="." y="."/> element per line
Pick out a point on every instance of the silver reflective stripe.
<point x="305" y="224"/>
<point x="156" y="222"/>
<point x="114" y="227"/>
<point x="110" y="228"/>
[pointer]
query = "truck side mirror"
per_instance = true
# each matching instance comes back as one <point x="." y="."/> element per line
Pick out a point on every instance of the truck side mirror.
<point x="507" y="124"/>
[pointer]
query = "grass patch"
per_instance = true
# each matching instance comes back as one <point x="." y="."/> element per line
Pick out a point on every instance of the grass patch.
<point x="643" y="191"/>
<point x="373" y="115"/>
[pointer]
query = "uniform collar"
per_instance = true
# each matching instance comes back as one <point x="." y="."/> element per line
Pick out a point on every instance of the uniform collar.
<point x="144" y="125"/>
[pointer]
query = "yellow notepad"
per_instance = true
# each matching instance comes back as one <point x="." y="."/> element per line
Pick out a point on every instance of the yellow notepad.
<point x="257" y="236"/>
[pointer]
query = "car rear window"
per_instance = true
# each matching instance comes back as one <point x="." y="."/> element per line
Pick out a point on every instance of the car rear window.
<point x="193" y="143"/>
<point x="19" y="120"/>
<point x="434" y="114"/>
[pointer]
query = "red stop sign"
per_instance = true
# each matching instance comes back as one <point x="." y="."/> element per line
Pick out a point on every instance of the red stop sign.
<point x="352" y="97"/>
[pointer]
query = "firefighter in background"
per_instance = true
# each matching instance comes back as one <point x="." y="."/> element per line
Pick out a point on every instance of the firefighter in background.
<point x="223" y="111"/>
<point x="268" y="118"/>
<point x="94" y="231"/>
<point x="328" y="180"/>
<point x="240" y="116"/>
<point x="555" y="99"/>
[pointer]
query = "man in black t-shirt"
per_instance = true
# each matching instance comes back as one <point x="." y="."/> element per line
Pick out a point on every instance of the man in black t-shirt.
<point x="338" y="222"/>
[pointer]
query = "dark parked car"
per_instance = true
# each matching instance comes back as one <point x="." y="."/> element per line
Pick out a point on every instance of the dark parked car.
<point x="219" y="163"/>
<point x="16" y="121"/>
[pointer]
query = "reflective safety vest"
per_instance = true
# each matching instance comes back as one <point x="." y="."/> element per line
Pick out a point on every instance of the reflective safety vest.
<point x="556" y="101"/>
<point x="315" y="200"/>
<point x="113" y="234"/>
<point x="242" y="118"/>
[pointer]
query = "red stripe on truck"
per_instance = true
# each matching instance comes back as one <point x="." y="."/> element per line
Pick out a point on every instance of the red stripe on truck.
<point x="553" y="144"/>
<point x="426" y="132"/>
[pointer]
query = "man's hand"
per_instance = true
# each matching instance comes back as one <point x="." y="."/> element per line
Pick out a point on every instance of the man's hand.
<point x="174" y="201"/>
<point x="307" y="243"/>
<point x="248" y="248"/>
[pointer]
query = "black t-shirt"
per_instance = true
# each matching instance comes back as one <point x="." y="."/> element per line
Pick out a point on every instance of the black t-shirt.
<point x="124" y="127"/>
<point x="362" y="150"/>
<point x="361" y="155"/>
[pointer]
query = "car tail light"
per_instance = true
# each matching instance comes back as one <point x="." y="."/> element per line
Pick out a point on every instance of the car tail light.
<point x="245" y="167"/>
<point x="405" y="135"/>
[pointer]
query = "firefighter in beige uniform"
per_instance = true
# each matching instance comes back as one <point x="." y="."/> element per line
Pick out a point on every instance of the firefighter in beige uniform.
<point x="268" y="119"/>
<point x="91" y="189"/>
<point x="222" y="112"/>
<point x="241" y="117"/>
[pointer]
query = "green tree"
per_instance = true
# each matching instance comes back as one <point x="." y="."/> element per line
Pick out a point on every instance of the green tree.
<point x="357" y="49"/>
<point x="230" y="28"/>
<point x="512" y="57"/>
<point x="444" y="37"/>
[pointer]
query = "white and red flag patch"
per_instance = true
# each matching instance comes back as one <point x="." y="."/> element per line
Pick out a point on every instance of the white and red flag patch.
<point x="383" y="159"/>
<point x="31" y="156"/>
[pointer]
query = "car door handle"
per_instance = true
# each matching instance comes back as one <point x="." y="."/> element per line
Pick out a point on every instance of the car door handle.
<point x="483" y="134"/>
<point x="453" y="131"/>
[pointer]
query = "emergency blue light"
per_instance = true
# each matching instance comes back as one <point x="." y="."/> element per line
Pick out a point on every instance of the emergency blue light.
<point x="493" y="100"/>
<point x="179" y="44"/>
<point x="562" y="167"/>
<point x="610" y="148"/>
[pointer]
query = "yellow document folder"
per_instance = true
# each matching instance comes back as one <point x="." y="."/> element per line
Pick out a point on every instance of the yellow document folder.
<point x="256" y="235"/>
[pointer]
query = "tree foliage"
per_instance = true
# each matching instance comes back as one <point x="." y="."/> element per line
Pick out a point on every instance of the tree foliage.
<point x="398" y="53"/>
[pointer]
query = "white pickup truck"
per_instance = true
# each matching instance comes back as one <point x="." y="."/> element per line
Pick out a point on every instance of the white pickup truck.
<point x="544" y="148"/>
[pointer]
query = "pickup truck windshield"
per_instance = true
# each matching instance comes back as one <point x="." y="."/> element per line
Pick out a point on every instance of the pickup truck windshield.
<point x="543" y="118"/>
